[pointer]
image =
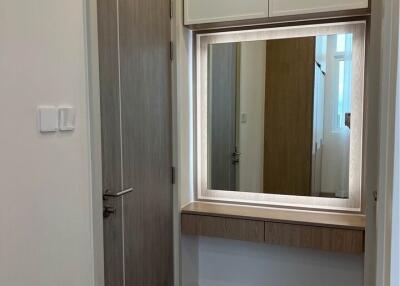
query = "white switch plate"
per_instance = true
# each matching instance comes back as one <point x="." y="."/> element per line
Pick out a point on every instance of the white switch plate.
<point x="243" y="117"/>
<point x="67" y="118"/>
<point x="48" y="119"/>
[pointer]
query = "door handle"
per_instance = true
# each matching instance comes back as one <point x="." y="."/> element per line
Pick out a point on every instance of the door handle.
<point x="107" y="211"/>
<point x="107" y="194"/>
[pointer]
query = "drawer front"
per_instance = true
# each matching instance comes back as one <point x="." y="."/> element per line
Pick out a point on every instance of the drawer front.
<point x="296" y="7"/>
<point x="211" y="11"/>
<point x="323" y="238"/>
<point x="229" y="228"/>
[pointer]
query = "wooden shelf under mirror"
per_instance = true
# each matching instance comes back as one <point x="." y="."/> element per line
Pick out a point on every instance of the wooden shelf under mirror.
<point x="337" y="232"/>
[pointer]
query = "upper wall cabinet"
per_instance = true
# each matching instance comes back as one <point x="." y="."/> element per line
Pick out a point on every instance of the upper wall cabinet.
<point x="211" y="11"/>
<point x="202" y="14"/>
<point x="295" y="7"/>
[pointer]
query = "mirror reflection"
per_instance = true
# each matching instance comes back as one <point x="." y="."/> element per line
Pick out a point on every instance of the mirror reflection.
<point x="279" y="116"/>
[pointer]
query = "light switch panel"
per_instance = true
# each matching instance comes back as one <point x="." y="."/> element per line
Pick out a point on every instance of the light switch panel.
<point x="67" y="118"/>
<point x="243" y="117"/>
<point x="48" y="119"/>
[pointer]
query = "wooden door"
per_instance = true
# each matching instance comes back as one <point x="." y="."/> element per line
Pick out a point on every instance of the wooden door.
<point x="289" y="116"/>
<point x="222" y="122"/>
<point x="135" y="76"/>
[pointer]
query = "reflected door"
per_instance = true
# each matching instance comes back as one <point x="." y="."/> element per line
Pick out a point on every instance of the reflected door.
<point x="224" y="156"/>
<point x="288" y="125"/>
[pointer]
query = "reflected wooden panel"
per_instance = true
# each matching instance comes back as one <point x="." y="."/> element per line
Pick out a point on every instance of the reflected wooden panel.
<point x="290" y="70"/>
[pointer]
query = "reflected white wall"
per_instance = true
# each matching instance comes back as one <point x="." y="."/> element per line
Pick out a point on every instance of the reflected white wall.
<point x="251" y="116"/>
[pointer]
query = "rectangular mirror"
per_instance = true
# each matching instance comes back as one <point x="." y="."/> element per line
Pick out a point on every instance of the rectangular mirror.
<point x="283" y="112"/>
<point x="279" y="116"/>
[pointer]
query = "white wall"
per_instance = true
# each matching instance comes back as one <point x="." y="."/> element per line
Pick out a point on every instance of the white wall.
<point x="252" y="103"/>
<point x="336" y="143"/>
<point x="235" y="263"/>
<point x="395" y="273"/>
<point x="388" y="90"/>
<point x="45" y="213"/>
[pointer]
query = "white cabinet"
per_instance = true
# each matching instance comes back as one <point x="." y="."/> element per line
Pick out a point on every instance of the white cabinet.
<point x="211" y="11"/>
<point x="295" y="7"/>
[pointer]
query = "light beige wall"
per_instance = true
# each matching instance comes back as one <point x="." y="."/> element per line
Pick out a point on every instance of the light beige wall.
<point x="252" y="104"/>
<point x="45" y="217"/>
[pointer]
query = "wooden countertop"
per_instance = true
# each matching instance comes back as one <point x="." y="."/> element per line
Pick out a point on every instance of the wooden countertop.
<point x="290" y="216"/>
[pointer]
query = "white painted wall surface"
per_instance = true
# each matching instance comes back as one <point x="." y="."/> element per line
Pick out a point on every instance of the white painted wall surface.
<point x="45" y="213"/>
<point x="395" y="271"/>
<point x="233" y="263"/>
<point x="252" y="103"/>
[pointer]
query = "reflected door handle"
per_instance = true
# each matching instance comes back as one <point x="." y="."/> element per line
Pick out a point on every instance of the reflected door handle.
<point x="107" y="194"/>
<point x="347" y="119"/>
<point x="235" y="158"/>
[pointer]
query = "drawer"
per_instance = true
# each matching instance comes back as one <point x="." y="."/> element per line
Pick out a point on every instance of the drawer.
<point x="229" y="228"/>
<point x="316" y="237"/>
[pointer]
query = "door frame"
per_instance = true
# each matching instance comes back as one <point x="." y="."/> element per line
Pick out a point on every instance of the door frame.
<point x="389" y="91"/>
<point x="93" y="91"/>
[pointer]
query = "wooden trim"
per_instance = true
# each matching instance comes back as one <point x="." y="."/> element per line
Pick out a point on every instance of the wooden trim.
<point x="281" y="21"/>
<point x="299" y="217"/>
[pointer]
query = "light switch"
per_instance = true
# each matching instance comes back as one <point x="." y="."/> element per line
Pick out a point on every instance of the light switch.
<point x="48" y="119"/>
<point x="243" y="117"/>
<point x="67" y="118"/>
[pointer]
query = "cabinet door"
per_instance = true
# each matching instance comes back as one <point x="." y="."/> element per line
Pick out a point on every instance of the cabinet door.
<point x="295" y="7"/>
<point x="209" y="11"/>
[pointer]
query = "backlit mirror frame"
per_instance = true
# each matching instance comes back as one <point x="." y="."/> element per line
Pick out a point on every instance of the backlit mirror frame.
<point x="355" y="201"/>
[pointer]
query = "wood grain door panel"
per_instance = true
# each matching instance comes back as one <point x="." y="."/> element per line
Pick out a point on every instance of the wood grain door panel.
<point x="111" y="137"/>
<point x="135" y="79"/>
<point x="289" y="116"/>
<point x="147" y="143"/>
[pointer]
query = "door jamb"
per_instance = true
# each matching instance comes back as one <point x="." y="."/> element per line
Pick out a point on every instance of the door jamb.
<point x="94" y="118"/>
